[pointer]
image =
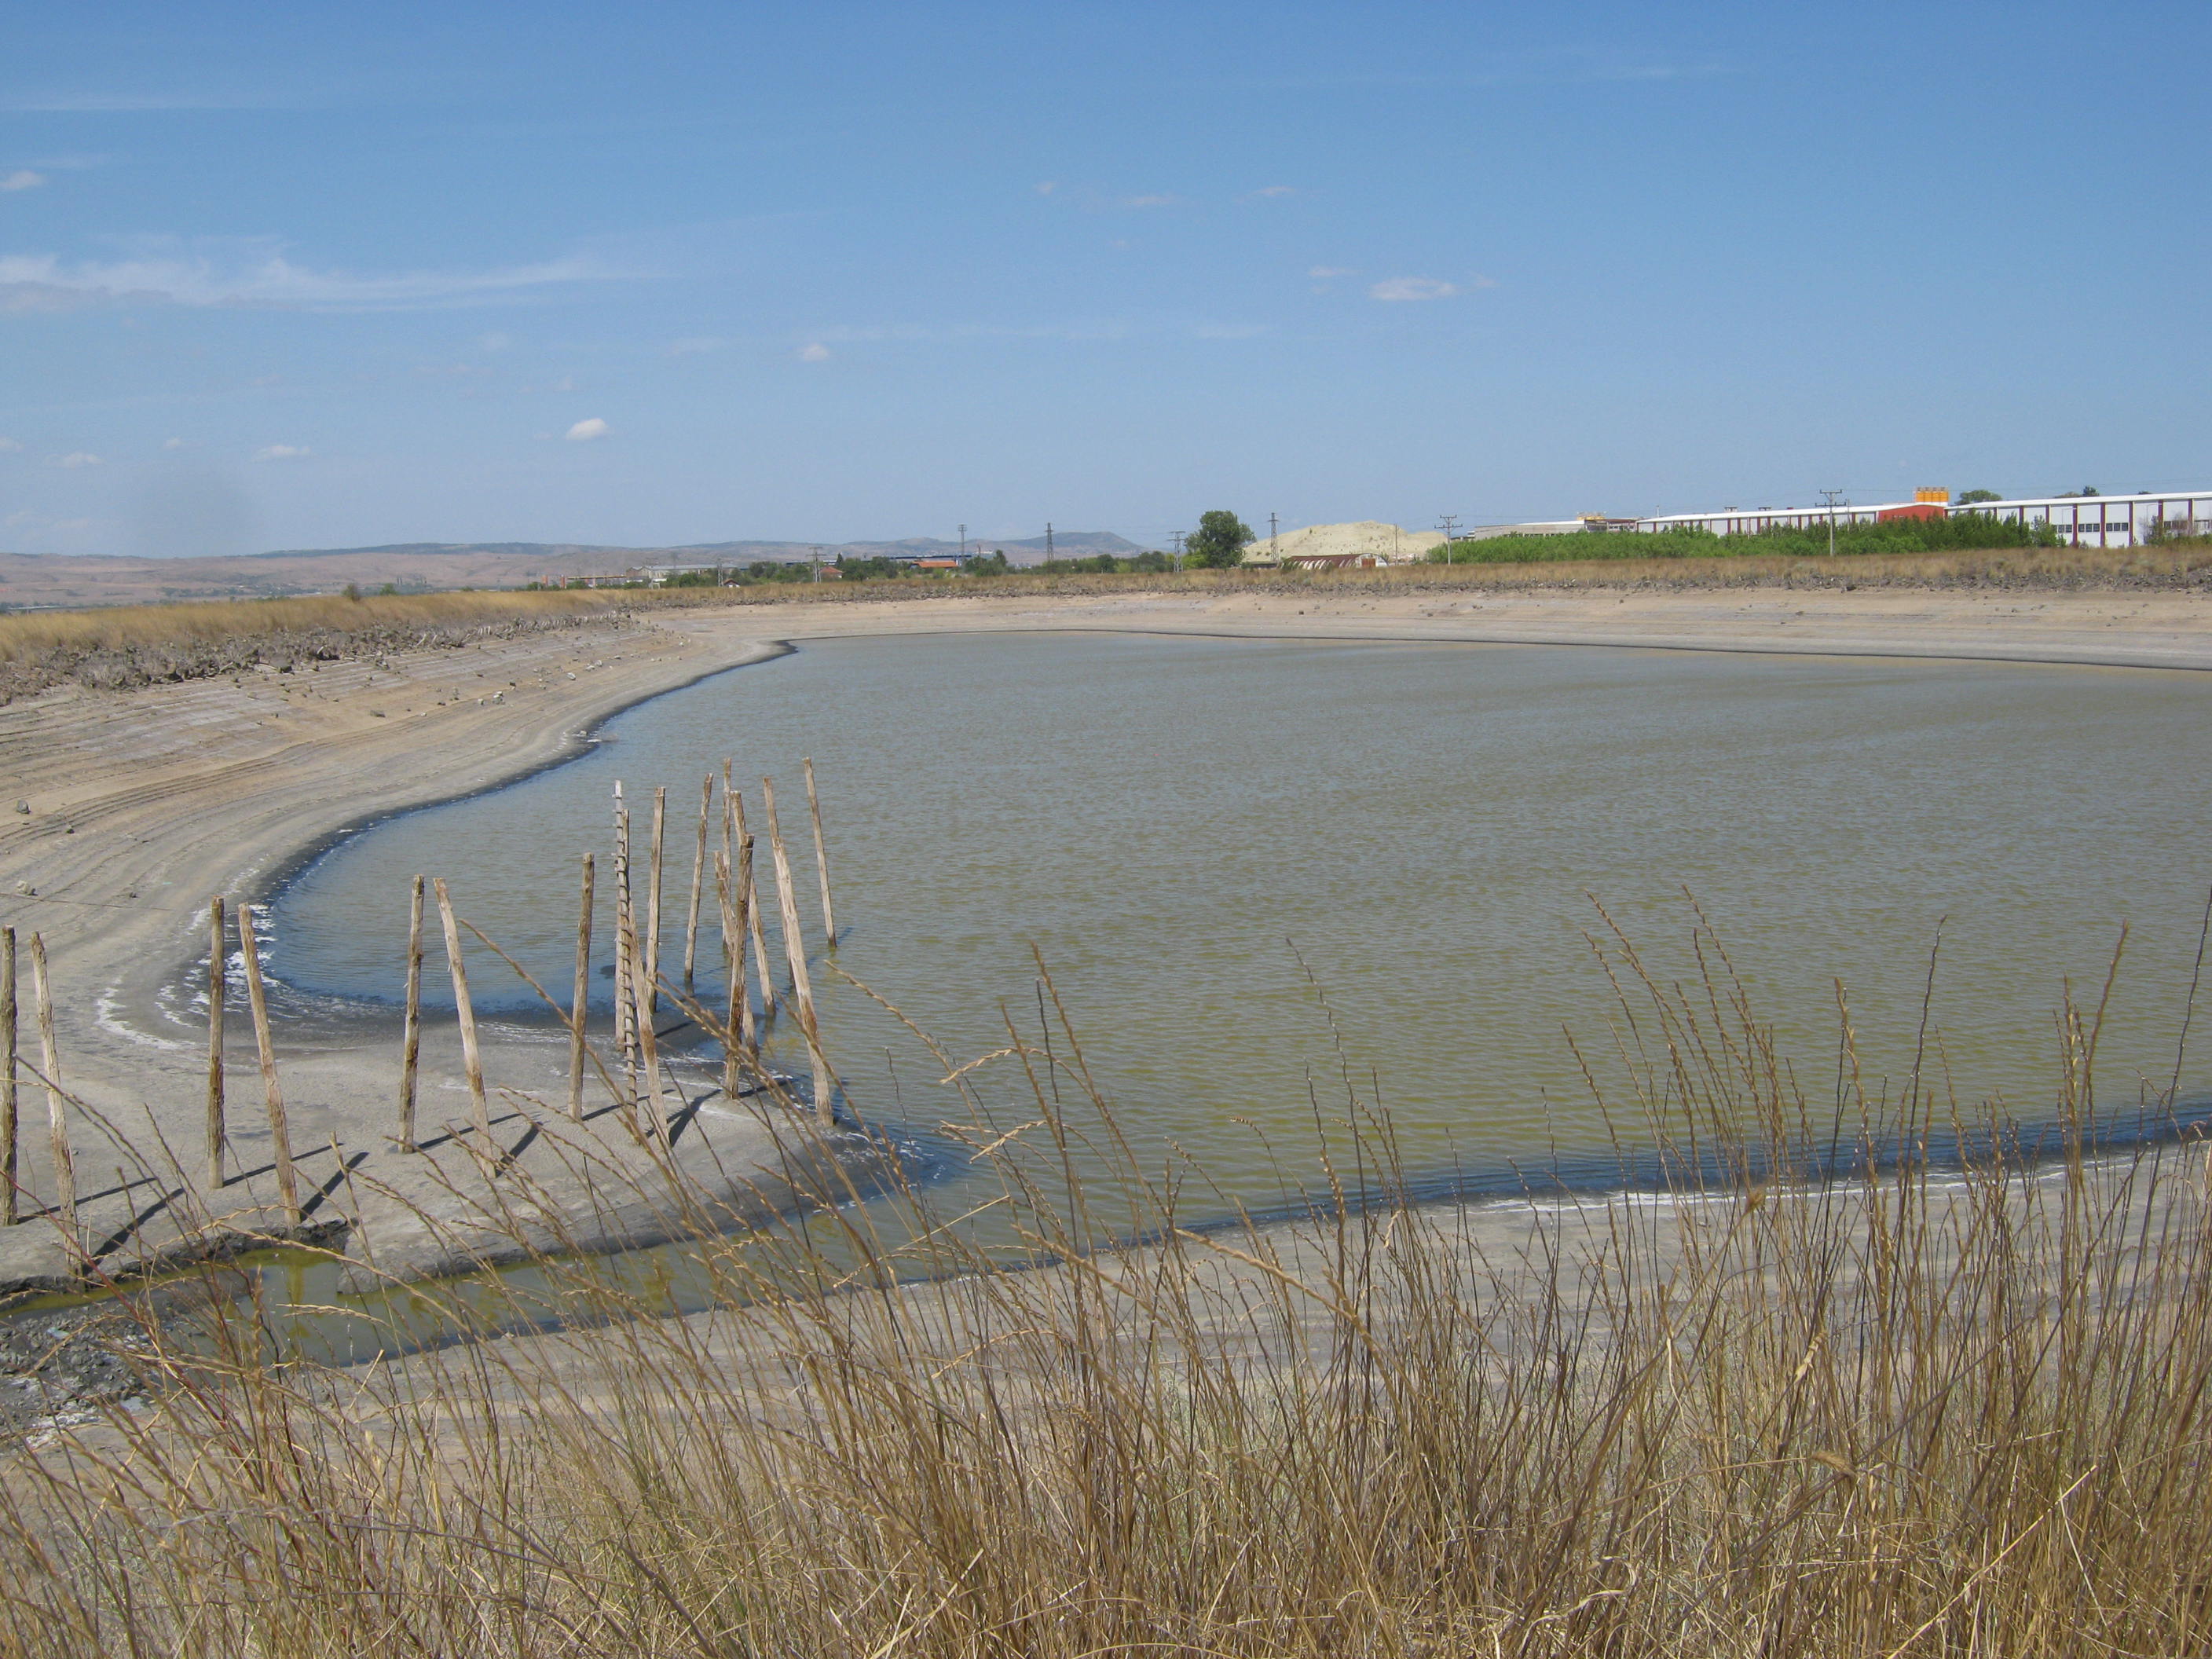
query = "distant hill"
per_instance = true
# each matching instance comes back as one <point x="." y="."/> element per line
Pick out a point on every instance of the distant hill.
<point x="44" y="579"/>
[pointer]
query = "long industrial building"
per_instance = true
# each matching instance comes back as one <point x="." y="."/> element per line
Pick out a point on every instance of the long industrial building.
<point x="2081" y="520"/>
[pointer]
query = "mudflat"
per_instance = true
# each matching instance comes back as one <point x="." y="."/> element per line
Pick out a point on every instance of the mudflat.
<point x="122" y="812"/>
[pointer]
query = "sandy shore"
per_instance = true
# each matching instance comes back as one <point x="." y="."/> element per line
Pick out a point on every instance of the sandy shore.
<point x="144" y="803"/>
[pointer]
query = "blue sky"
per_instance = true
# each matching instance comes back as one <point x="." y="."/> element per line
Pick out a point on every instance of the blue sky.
<point x="325" y="276"/>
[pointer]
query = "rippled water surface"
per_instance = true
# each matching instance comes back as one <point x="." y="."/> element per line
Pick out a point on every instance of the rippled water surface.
<point x="1203" y="837"/>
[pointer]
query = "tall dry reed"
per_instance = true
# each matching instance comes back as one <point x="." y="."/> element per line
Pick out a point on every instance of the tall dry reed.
<point x="1815" y="1395"/>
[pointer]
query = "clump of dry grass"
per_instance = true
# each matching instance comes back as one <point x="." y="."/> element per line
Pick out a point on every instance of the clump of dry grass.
<point x="1795" y="1404"/>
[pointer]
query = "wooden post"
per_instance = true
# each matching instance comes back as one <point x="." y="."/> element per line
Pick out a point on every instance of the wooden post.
<point x="821" y="859"/>
<point x="625" y="1026"/>
<point x="8" y="1129"/>
<point x="794" y="951"/>
<point x="753" y="911"/>
<point x="57" y="1122"/>
<point x="583" y="1001"/>
<point x="280" y="1135"/>
<point x="732" y="946"/>
<point x="651" y="960"/>
<point x="698" y="876"/>
<point x="745" y="892"/>
<point x="218" y="976"/>
<point x="471" y="1061"/>
<point x="648" y="1048"/>
<point x="411" y="1050"/>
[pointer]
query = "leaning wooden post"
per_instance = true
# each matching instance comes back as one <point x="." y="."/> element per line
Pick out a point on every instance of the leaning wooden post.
<point x="471" y="1061"/>
<point x="410" y="1050"/>
<point x="821" y="859"/>
<point x="751" y="890"/>
<point x="8" y="1129"/>
<point x="218" y="975"/>
<point x="698" y="876"/>
<point x="57" y="1121"/>
<point x="652" y="963"/>
<point x="794" y="951"/>
<point x="280" y="1136"/>
<point x="583" y="997"/>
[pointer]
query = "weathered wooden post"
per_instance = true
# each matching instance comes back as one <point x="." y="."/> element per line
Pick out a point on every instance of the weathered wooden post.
<point x="753" y="911"/>
<point x="471" y="1061"/>
<point x="57" y="1121"/>
<point x="821" y="859"/>
<point x="794" y="951"/>
<point x="410" y="1050"/>
<point x="583" y="997"/>
<point x="218" y="976"/>
<point x="8" y="1127"/>
<point x="745" y="893"/>
<point x="648" y="1047"/>
<point x="625" y="1022"/>
<point x="698" y="877"/>
<point x="280" y="1136"/>
<point x="651" y="961"/>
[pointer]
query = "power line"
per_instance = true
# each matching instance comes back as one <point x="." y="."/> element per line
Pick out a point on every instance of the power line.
<point x="1449" y="523"/>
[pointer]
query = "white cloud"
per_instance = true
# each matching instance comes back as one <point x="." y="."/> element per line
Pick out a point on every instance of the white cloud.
<point x="584" y="431"/>
<point x="1411" y="287"/>
<point x="257" y="272"/>
<point x="1271" y="193"/>
<point x="1048" y="187"/>
<point x="815" y="352"/>
<point x="173" y="443"/>
<point x="8" y="443"/>
<point x="495" y="341"/>
<point x="566" y="383"/>
<point x="22" y="179"/>
<point x="282" y="453"/>
<point x="77" y="457"/>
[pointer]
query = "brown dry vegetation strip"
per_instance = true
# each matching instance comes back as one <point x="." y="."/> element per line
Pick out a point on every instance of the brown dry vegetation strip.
<point x="128" y="646"/>
<point x="29" y="636"/>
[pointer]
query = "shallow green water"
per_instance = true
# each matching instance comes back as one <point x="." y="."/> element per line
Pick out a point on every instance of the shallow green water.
<point x="1198" y="833"/>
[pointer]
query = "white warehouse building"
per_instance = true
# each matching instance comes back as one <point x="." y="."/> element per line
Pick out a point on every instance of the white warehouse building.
<point x="2081" y="520"/>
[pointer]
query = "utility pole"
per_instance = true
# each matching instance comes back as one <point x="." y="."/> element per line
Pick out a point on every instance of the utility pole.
<point x="963" y="544"/>
<point x="1176" y="536"/>
<point x="817" y="564"/>
<point x="1047" y="541"/>
<point x="1273" y="552"/>
<point x="1449" y="523"/>
<point x="1831" y="499"/>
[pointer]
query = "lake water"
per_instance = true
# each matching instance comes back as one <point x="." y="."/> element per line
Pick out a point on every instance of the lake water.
<point x="1202" y="837"/>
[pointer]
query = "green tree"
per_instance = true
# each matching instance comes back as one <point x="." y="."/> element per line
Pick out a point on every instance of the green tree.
<point x="1969" y="497"/>
<point x="1220" y="541"/>
<point x="993" y="564"/>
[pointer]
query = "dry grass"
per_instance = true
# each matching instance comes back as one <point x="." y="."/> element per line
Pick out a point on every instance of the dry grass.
<point x="29" y="636"/>
<point x="1894" y="1414"/>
